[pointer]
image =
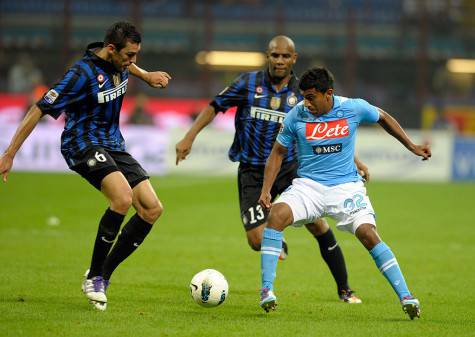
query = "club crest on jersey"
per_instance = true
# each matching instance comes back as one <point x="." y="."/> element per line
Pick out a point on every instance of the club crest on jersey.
<point x="51" y="96"/>
<point x="100" y="78"/>
<point x="116" y="78"/>
<point x="327" y="130"/>
<point x="275" y="102"/>
<point x="259" y="90"/>
<point x="292" y="100"/>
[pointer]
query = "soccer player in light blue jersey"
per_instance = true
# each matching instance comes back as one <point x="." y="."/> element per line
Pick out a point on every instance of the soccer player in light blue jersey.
<point x="262" y="99"/>
<point x="324" y="128"/>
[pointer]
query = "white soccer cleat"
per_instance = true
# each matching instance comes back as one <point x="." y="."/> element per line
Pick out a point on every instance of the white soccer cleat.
<point x="95" y="291"/>
<point x="101" y="306"/>
<point x="268" y="300"/>
<point x="411" y="306"/>
<point x="348" y="296"/>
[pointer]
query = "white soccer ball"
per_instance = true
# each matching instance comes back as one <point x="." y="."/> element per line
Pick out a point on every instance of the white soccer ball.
<point x="209" y="288"/>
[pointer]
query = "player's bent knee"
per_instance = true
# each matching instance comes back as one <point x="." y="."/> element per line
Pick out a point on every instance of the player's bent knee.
<point x="254" y="243"/>
<point x="280" y="216"/>
<point x="152" y="213"/>
<point x="122" y="201"/>
<point x="368" y="235"/>
<point x="319" y="227"/>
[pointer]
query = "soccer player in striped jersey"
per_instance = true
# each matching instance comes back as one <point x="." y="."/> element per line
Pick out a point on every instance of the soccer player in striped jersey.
<point x="90" y="95"/>
<point x="324" y="127"/>
<point x="263" y="99"/>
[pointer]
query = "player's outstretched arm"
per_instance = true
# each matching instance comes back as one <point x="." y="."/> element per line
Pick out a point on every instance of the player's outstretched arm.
<point x="183" y="147"/>
<point x="393" y="128"/>
<point x="273" y="164"/>
<point x="362" y="169"/>
<point x="155" y="79"/>
<point x="23" y="131"/>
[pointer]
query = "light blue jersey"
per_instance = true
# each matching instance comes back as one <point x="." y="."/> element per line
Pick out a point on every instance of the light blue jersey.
<point x="326" y="143"/>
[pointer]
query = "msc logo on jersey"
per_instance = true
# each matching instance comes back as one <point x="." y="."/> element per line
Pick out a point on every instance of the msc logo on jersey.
<point x="112" y="94"/>
<point x="327" y="149"/>
<point x="333" y="129"/>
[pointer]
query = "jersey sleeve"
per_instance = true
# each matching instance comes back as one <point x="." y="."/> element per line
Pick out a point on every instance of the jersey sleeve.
<point x="286" y="135"/>
<point x="231" y="96"/>
<point x="366" y="112"/>
<point x="66" y="92"/>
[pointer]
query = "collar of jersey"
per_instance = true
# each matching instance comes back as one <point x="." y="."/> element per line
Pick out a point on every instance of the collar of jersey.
<point x="106" y="65"/>
<point x="289" y="85"/>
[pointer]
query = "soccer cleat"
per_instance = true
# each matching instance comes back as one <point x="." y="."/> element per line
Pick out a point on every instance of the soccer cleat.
<point x="285" y="250"/>
<point x="268" y="300"/>
<point x="99" y="305"/>
<point x="411" y="306"/>
<point x="95" y="291"/>
<point x="102" y="306"/>
<point x="348" y="296"/>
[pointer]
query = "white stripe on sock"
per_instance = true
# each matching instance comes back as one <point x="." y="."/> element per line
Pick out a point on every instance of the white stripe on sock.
<point x="266" y="252"/>
<point x="387" y="267"/>
<point x="273" y="249"/>
<point x="386" y="263"/>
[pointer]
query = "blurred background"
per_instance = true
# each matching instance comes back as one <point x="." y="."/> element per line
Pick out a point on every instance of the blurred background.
<point x="413" y="58"/>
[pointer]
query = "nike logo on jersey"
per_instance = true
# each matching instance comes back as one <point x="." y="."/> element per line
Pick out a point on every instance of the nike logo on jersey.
<point x="327" y="130"/>
<point x="259" y="96"/>
<point x="102" y="84"/>
<point x="105" y="240"/>
<point x="136" y="244"/>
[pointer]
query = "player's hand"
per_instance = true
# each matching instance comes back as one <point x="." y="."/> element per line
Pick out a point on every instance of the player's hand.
<point x="157" y="79"/>
<point x="183" y="149"/>
<point x="363" y="170"/>
<point x="423" y="151"/>
<point x="6" y="163"/>
<point x="265" y="200"/>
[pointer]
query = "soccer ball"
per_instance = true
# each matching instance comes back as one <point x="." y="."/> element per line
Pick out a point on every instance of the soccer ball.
<point x="209" y="288"/>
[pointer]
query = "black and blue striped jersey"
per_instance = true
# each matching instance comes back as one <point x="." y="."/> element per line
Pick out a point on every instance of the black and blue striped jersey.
<point x="90" y="94"/>
<point x="260" y="112"/>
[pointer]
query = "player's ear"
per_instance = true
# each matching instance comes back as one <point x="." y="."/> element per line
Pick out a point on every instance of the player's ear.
<point x="295" y="58"/>
<point x="110" y="48"/>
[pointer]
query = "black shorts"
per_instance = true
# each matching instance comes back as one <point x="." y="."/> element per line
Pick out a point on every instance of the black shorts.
<point x="95" y="163"/>
<point x="250" y="179"/>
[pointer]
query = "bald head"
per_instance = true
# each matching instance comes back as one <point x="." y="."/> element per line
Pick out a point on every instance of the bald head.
<point x="281" y="57"/>
<point x="282" y="42"/>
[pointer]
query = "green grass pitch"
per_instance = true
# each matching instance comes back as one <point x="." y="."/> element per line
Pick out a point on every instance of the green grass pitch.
<point x="430" y="227"/>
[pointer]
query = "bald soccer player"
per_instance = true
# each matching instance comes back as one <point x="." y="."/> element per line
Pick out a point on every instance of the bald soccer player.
<point x="263" y="99"/>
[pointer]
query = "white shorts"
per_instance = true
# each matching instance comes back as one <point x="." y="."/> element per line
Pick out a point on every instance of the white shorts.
<point x="346" y="203"/>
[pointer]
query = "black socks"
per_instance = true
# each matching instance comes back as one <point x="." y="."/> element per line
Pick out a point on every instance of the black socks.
<point x="131" y="236"/>
<point x="333" y="256"/>
<point x="109" y="226"/>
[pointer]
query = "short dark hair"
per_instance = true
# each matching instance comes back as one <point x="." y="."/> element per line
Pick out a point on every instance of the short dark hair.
<point x="119" y="33"/>
<point x="319" y="78"/>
